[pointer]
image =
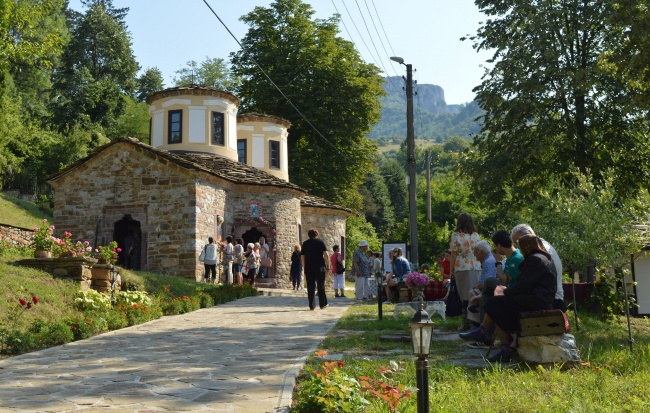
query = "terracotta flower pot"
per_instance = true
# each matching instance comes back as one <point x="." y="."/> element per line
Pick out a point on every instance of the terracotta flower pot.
<point x="42" y="254"/>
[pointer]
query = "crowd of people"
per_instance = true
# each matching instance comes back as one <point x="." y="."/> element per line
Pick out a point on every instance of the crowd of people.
<point x="239" y="264"/>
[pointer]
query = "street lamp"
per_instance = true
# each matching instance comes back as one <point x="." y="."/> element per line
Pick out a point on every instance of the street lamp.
<point x="410" y="143"/>
<point x="114" y="274"/>
<point x="421" y="335"/>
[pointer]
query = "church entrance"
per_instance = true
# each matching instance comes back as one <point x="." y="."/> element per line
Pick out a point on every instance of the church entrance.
<point x="128" y="234"/>
<point x="252" y="235"/>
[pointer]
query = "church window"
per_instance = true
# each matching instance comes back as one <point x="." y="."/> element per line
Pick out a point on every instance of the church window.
<point x="274" y="154"/>
<point x="217" y="129"/>
<point x="175" y="132"/>
<point x="241" y="150"/>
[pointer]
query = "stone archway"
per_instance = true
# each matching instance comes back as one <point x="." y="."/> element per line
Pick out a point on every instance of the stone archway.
<point x="252" y="235"/>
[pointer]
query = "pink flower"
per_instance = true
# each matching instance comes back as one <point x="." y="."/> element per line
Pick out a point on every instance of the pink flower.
<point x="51" y="227"/>
<point x="22" y="301"/>
<point x="67" y="234"/>
<point x="34" y="299"/>
<point x="44" y="220"/>
<point x="118" y="249"/>
<point x="86" y="243"/>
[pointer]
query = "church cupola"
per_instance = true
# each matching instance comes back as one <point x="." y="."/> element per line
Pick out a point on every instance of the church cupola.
<point x="194" y="119"/>
<point x="262" y="143"/>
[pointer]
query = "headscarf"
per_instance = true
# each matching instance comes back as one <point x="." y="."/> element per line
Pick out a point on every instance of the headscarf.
<point x="529" y="244"/>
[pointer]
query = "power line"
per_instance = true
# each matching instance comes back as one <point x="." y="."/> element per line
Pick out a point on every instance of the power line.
<point x="272" y="82"/>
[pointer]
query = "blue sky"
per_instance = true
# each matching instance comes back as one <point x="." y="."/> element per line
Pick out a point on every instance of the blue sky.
<point x="168" y="33"/>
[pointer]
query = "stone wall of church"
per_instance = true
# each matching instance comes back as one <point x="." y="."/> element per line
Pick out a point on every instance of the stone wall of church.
<point x="282" y="212"/>
<point x="329" y="223"/>
<point x="210" y="204"/>
<point x="128" y="180"/>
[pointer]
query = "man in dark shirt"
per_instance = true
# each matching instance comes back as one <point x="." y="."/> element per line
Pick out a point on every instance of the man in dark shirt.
<point x="315" y="264"/>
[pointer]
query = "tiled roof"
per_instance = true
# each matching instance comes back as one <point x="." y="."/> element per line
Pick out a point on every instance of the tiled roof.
<point x="314" y="201"/>
<point x="193" y="90"/>
<point x="216" y="165"/>
<point x="260" y="117"/>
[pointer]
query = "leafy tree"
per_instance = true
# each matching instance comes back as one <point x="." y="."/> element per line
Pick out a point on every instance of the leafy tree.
<point x="150" y="82"/>
<point x="588" y="224"/>
<point x="210" y="73"/>
<point x="455" y="144"/>
<point x="377" y="203"/>
<point x="549" y="107"/>
<point x="134" y="122"/>
<point x="357" y="228"/>
<point x="98" y="68"/>
<point x="325" y="78"/>
<point x="395" y="178"/>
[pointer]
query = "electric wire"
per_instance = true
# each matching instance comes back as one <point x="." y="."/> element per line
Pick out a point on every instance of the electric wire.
<point x="371" y="39"/>
<point x="273" y="83"/>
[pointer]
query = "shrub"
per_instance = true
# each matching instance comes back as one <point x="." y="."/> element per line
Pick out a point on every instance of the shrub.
<point x="92" y="300"/>
<point x="132" y="297"/>
<point x="205" y="300"/>
<point x="50" y="334"/>
<point x="87" y="325"/>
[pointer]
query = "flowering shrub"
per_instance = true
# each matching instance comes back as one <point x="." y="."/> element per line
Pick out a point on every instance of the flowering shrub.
<point x="388" y="392"/>
<point x="43" y="239"/>
<point x="108" y="253"/>
<point x="329" y="390"/>
<point x="65" y="247"/>
<point x="11" y="339"/>
<point x="132" y="297"/>
<point x="417" y="279"/>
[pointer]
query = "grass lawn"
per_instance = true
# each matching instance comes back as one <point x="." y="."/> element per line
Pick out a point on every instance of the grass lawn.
<point x="610" y="379"/>
<point x="20" y="213"/>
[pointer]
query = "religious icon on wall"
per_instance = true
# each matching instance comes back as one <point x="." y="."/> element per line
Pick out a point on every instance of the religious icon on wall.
<point x="255" y="209"/>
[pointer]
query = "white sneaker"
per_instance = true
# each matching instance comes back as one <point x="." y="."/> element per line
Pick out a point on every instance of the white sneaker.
<point x="387" y="302"/>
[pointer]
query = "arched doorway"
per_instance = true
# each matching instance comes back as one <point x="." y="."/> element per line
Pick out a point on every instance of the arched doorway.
<point x="252" y="235"/>
<point x="128" y="234"/>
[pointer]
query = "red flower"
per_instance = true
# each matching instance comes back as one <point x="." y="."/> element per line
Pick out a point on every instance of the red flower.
<point x="22" y="301"/>
<point x="34" y="299"/>
<point x="29" y="305"/>
<point x="340" y="364"/>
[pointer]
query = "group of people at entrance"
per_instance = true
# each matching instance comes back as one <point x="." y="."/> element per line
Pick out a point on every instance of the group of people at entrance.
<point x="239" y="265"/>
<point x="520" y="272"/>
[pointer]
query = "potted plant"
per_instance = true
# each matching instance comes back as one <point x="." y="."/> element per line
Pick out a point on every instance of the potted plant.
<point x="107" y="254"/>
<point x="417" y="282"/>
<point x="43" y="241"/>
<point x="65" y="248"/>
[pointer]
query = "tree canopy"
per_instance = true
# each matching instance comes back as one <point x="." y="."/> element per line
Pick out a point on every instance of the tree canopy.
<point x="325" y="79"/>
<point x="550" y="107"/>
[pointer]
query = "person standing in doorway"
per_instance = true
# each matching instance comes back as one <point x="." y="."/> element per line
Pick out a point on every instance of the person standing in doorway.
<point x="315" y="264"/>
<point x="252" y="261"/>
<point x="338" y="271"/>
<point x="264" y="253"/>
<point x="210" y="261"/>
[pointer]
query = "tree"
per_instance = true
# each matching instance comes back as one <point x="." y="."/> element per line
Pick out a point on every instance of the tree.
<point x="150" y="82"/>
<point x="98" y="68"/>
<point x="455" y="144"/>
<point x="395" y="177"/>
<point x="549" y="106"/>
<point x="325" y="78"/>
<point x="133" y="122"/>
<point x="210" y="73"/>
<point x="377" y="204"/>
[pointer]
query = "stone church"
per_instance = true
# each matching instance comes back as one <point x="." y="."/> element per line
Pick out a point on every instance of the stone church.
<point x="209" y="171"/>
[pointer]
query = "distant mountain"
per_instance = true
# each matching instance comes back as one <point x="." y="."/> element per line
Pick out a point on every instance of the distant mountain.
<point x="433" y="118"/>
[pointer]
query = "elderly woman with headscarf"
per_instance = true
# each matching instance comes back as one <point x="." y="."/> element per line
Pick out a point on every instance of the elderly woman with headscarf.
<point x="534" y="290"/>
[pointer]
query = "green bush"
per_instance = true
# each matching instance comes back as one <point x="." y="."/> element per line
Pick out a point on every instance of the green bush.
<point x="86" y="325"/>
<point x="116" y="319"/>
<point x="205" y="300"/>
<point x="16" y="341"/>
<point x="48" y="334"/>
<point x="132" y="297"/>
<point x="92" y="300"/>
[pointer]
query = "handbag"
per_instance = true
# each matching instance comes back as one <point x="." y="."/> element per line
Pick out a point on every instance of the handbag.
<point x="266" y="262"/>
<point x="202" y="256"/>
<point x="340" y="269"/>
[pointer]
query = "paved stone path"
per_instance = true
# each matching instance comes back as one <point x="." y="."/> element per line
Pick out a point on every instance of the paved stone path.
<point x="240" y="357"/>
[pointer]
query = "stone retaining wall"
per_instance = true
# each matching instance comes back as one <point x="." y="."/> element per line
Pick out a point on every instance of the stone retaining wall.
<point x="77" y="269"/>
<point x="17" y="237"/>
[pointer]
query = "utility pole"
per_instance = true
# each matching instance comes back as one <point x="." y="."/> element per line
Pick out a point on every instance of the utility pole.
<point x="429" y="185"/>
<point x="410" y="141"/>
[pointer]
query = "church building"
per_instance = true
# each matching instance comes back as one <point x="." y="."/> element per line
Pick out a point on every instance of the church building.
<point x="209" y="171"/>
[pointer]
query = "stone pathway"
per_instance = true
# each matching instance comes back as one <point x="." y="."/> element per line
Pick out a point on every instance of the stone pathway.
<point x="240" y="357"/>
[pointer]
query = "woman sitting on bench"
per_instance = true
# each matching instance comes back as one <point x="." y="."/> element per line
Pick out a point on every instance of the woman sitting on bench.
<point x="534" y="290"/>
<point x="401" y="267"/>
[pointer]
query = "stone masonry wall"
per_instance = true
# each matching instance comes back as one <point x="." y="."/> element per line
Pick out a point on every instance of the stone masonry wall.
<point x="127" y="180"/>
<point x="281" y="209"/>
<point x="331" y="226"/>
<point x="16" y="236"/>
<point x="210" y="202"/>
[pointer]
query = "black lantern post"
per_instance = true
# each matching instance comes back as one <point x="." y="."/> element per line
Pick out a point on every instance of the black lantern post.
<point x="114" y="274"/>
<point x="421" y="335"/>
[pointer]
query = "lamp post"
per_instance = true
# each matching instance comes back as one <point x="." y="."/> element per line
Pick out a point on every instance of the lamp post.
<point x="421" y="334"/>
<point x="114" y="273"/>
<point x="410" y="143"/>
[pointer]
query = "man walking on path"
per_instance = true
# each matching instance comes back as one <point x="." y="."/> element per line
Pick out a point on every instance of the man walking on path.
<point x="315" y="263"/>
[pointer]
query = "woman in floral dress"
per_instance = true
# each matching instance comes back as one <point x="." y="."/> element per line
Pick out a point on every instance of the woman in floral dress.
<point x="465" y="268"/>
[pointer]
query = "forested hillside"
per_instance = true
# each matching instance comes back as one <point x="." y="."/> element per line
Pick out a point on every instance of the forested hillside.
<point x="433" y="118"/>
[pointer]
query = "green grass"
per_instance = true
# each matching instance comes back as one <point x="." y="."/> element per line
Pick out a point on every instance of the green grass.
<point x="20" y="213"/>
<point x="610" y="379"/>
